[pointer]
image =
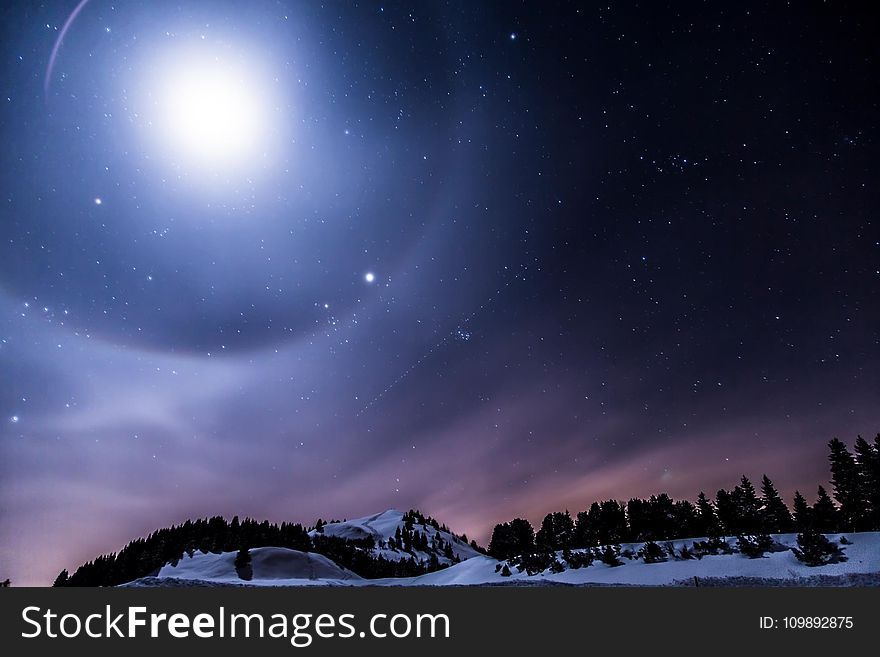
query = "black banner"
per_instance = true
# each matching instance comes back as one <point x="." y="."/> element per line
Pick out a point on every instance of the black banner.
<point x="434" y="621"/>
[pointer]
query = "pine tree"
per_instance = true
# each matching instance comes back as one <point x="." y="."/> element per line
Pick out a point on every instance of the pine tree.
<point x="556" y="533"/>
<point x="876" y="491"/>
<point x="523" y="535"/>
<point x="661" y="512"/>
<point x="868" y="468"/>
<point x="545" y="538"/>
<point x="235" y="531"/>
<point x="825" y="516"/>
<point x="512" y="539"/>
<point x="612" y="527"/>
<point x="776" y="518"/>
<point x="62" y="578"/>
<point x="586" y="529"/>
<point x="556" y="566"/>
<point x="728" y="513"/>
<point x="610" y="556"/>
<point x="685" y="518"/>
<point x="534" y="562"/>
<point x="579" y="559"/>
<point x="814" y="549"/>
<point x="650" y="552"/>
<point x="638" y="519"/>
<point x="243" y="564"/>
<point x="756" y="546"/>
<point x="802" y="513"/>
<point x="848" y="488"/>
<point x="707" y="520"/>
<point x="748" y="506"/>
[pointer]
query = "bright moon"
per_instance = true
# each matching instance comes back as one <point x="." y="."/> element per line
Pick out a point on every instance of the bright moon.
<point x="212" y="113"/>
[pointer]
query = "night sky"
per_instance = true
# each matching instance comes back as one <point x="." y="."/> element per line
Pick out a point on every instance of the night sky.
<point x="293" y="259"/>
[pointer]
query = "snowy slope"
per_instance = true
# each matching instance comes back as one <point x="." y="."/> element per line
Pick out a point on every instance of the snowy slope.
<point x="275" y="567"/>
<point x="382" y="526"/>
<point x="863" y="557"/>
<point x="271" y="567"/>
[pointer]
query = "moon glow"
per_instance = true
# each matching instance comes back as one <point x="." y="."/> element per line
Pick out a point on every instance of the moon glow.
<point x="211" y="113"/>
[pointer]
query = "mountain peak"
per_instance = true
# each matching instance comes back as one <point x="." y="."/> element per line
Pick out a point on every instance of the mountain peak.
<point x="391" y="527"/>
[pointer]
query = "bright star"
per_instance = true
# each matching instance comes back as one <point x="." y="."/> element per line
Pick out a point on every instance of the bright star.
<point x="14" y="419"/>
<point x="98" y="200"/>
<point x="369" y="277"/>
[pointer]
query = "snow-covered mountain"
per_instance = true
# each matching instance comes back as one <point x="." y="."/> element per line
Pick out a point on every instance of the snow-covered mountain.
<point x="394" y="531"/>
<point x="284" y="567"/>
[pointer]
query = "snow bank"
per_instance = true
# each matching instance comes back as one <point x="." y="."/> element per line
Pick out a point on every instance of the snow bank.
<point x="271" y="567"/>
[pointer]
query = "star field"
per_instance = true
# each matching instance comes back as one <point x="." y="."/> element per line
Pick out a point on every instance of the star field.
<point x="489" y="260"/>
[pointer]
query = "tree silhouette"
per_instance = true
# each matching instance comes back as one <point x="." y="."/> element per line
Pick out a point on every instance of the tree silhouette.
<point x="815" y="550"/>
<point x="802" y="513"/>
<point x="748" y="506"/>
<point x="556" y="533"/>
<point x="511" y="539"/>
<point x="825" y="516"/>
<point x="868" y="469"/>
<point x="775" y="517"/>
<point x="848" y="487"/>
<point x="707" y="520"/>
<point x="243" y="564"/>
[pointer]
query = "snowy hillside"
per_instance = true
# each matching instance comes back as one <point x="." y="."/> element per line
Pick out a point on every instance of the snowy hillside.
<point x="863" y="556"/>
<point x="389" y="528"/>
<point x="270" y="566"/>
<point x="278" y="567"/>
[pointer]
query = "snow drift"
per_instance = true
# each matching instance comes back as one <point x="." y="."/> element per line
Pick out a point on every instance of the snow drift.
<point x="270" y="566"/>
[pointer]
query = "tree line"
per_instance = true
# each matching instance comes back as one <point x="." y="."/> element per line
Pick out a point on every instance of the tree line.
<point x="145" y="556"/>
<point x="741" y="511"/>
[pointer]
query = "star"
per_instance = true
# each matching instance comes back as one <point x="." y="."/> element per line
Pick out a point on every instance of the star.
<point x="369" y="277"/>
<point x="98" y="200"/>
